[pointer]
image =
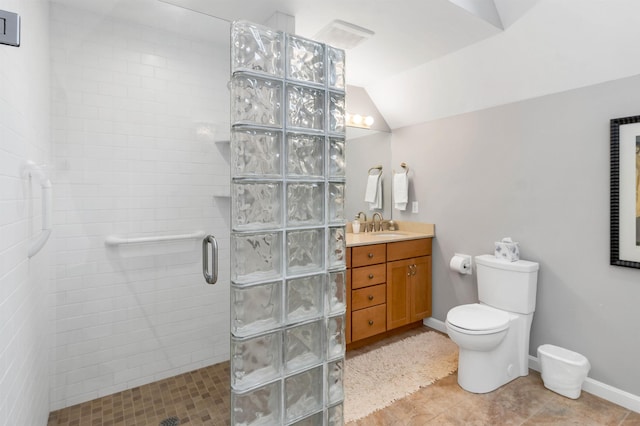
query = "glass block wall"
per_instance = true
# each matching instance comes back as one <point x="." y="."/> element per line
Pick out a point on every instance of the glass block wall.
<point x="288" y="229"/>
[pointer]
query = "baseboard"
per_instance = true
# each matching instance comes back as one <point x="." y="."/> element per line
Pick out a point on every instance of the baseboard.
<point x="435" y="324"/>
<point x="594" y="387"/>
<point x="602" y="390"/>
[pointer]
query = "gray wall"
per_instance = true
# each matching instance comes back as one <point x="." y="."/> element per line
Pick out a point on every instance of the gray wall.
<point x="361" y="154"/>
<point x="537" y="171"/>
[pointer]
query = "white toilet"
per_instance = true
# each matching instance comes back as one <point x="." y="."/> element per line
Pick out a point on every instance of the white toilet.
<point x="493" y="335"/>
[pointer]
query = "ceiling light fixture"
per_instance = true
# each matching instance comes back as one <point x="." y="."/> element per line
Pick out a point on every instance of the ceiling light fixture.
<point x="358" y="120"/>
<point x="343" y="35"/>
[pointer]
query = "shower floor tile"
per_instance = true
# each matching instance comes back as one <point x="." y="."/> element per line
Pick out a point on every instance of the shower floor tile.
<point x="200" y="397"/>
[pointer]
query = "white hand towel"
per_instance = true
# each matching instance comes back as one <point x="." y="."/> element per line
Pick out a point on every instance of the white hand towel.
<point x="371" y="192"/>
<point x="377" y="203"/>
<point x="400" y="191"/>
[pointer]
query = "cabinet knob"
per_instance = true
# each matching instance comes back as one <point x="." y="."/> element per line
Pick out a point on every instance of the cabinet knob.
<point x="370" y="276"/>
<point x="370" y="255"/>
<point x="370" y="322"/>
<point x="371" y="297"/>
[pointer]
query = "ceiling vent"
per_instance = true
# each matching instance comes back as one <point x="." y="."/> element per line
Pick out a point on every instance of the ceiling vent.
<point x="343" y="35"/>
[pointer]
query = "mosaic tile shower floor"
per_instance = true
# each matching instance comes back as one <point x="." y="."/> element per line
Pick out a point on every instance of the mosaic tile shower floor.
<point x="202" y="397"/>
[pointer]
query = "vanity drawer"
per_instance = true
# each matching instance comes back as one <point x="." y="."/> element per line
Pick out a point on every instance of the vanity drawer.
<point x="407" y="249"/>
<point x="368" y="322"/>
<point x="370" y="275"/>
<point x="368" y="255"/>
<point x="368" y="296"/>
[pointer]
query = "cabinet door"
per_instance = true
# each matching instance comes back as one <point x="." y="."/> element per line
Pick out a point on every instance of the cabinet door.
<point x="348" y="325"/>
<point x="421" y="288"/>
<point x="398" y="293"/>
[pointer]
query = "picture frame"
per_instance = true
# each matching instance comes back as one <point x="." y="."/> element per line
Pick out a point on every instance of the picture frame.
<point x="625" y="191"/>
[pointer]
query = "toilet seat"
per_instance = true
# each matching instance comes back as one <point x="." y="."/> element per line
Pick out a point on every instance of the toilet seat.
<point x="478" y="319"/>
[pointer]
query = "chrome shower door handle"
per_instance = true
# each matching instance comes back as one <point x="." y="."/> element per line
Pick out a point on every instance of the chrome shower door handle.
<point x="210" y="278"/>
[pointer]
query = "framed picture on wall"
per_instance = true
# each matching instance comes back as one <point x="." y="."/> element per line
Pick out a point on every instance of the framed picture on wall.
<point x="625" y="192"/>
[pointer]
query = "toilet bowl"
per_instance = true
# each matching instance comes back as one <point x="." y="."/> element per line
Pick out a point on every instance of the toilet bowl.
<point x="493" y="335"/>
<point x="477" y="327"/>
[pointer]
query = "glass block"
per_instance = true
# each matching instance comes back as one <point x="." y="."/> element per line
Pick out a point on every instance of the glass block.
<point x="257" y="257"/>
<point x="256" y="101"/>
<point x="337" y="247"/>
<point x="256" y="309"/>
<point x="335" y="337"/>
<point x="256" y="205"/>
<point x="255" y="360"/>
<point x="335" y="392"/>
<point x="336" y="158"/>
<point x="336" y="292"/>
<point x="303" y="345"/>
<point x="305" y="298"/>
<point x="336" y="67"/>
<point x="256" y="152"/>
<point x="305" y="107"/>
<point x="305" y="251"/>
<point x="336" y="113"/>
<point x="313" y="420"/>
<point x="305" y="204"/>
<point x="335" y="415"/>
<point x="336" y="203"/>
<point x="305" y="60"/>
<point x="261" y="406"/>
<point x="305" y="155"/>
<point x="256" y="48"/>
<point x="303" y="393"/>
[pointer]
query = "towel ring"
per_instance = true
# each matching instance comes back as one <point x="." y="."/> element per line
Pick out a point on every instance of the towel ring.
<point x="405" y="167"/>
<point x="378" y="168"/>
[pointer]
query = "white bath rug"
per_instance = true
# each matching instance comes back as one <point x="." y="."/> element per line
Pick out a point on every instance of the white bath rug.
<point x="375" y="379"/>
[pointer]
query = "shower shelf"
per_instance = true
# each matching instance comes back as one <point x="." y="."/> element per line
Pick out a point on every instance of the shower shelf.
<point x="222" y="193"/>
<point x="114" y="240"/>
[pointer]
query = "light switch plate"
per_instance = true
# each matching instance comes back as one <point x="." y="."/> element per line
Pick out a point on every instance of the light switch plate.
<point x="9" y="28"/>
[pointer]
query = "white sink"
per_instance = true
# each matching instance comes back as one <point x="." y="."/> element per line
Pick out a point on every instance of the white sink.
<point x="388" y="234"/>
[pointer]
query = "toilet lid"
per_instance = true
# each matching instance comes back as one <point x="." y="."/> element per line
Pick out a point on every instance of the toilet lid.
<point x="478" y="317"/>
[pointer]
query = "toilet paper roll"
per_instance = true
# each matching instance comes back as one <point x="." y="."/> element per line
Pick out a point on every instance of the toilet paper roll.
<point x="461" y="264"/>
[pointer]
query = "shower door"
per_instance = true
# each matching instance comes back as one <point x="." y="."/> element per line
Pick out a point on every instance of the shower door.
<point x="140" y="119"/>
<point x="288" y="234"/>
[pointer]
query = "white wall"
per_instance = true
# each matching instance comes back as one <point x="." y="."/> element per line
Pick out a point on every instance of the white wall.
<point x="537" y="171"/>
<point x="136" y="112"/>
<point x="24" y="282"/>
<point x="554" y="46"/>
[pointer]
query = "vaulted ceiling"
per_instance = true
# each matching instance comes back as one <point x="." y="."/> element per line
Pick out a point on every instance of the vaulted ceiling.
<point x="407" y="32"/>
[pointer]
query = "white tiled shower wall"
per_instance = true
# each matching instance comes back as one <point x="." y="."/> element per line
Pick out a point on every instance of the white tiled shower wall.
<point x="135" y="114"/>
<point x="24" y="282"/>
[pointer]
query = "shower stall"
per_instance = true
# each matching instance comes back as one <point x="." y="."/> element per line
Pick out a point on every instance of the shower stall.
<point x="118" y="112"/>
<point x="140" y="169"/>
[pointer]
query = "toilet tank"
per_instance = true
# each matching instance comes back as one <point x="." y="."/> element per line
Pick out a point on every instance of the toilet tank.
<point x="510" y="286"/>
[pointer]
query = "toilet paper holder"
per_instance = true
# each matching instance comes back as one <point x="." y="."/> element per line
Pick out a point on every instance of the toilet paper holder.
<point x="461" y="263"/>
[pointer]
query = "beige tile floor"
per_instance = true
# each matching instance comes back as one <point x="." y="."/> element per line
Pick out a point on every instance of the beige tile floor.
<point x="524" y="401"/>
<point x="202" y="397"/>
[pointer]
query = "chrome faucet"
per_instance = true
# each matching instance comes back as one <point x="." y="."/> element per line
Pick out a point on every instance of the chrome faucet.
<point x="373" y="219"/>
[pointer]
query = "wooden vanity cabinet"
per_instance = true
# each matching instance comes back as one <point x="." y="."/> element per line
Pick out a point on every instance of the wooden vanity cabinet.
<point x="368" y="291"/>
<point x="408" y="282"/>
<point x="348" y="291"/>
<point x="388" y="286"/>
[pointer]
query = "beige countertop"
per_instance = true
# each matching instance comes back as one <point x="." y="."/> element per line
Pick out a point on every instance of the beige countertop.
<point x="405" y="231"/>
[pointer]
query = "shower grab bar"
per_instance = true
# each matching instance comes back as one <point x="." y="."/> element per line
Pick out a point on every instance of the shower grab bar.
<point x="31" y="169"/>
<point x="114" y="240"/>
<point x="210" y="278"/>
